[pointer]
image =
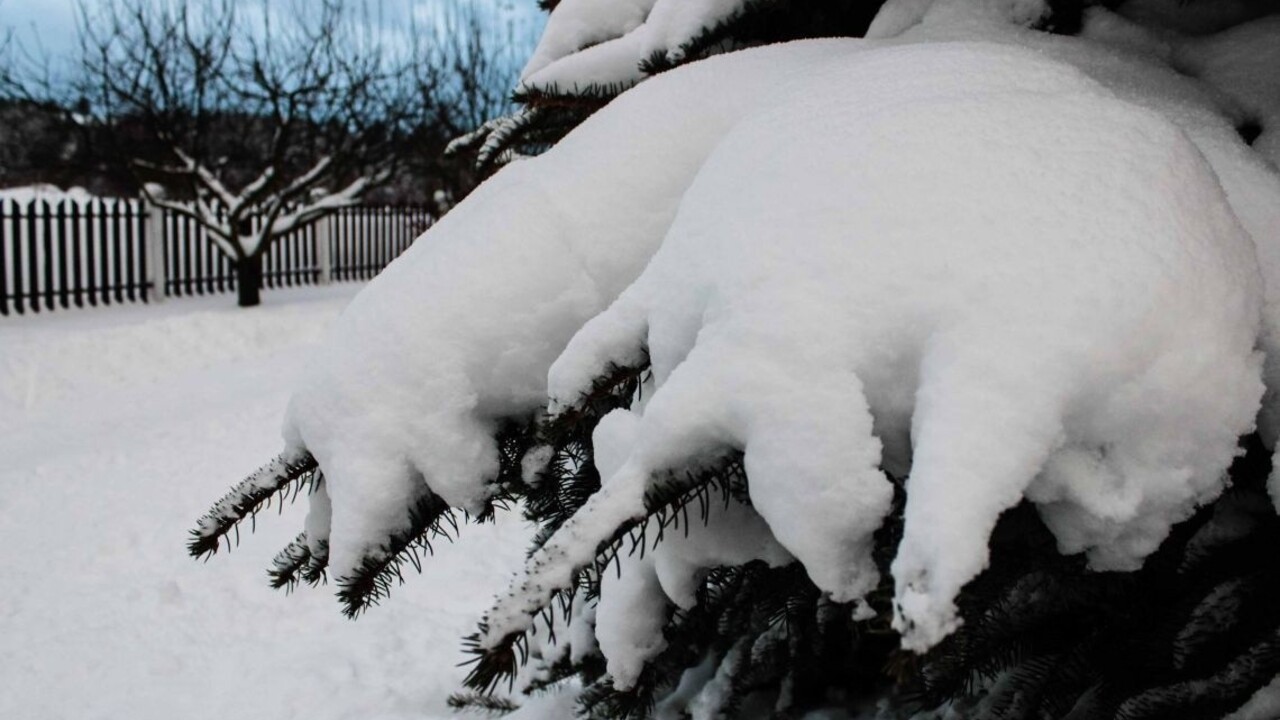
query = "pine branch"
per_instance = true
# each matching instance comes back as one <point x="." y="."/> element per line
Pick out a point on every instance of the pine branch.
<point x="482" y="703"/>
<point x="570" y="477"/>
<point x="584" y="99"/>
<point x="1212" y="696"/>
<point x="286" y="567"/>
<point x="1178" y="638"/>
<point x="668" y="505"/>
<point x="297" y="562"/>
<point x="760" y="22"/>
<point x="370" y="583"/>
<point x="616" y="388"/>
<point x="530" y="131"/>
<point x="252" y="494"/>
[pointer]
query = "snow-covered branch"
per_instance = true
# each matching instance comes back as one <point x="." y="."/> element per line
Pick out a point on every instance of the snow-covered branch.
<point x="217" y="232"/>
<point x="206" y="178"/>
<point x="282" y="219"/>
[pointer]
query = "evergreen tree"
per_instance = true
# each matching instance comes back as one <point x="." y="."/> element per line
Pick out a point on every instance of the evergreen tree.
<point x="686" y="567"/>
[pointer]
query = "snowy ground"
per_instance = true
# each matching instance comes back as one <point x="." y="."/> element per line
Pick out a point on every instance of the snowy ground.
<point x="117" y="429"/>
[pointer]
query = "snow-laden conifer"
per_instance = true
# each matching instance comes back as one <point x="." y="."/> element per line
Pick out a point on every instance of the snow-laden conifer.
<point x="917" y="366"/>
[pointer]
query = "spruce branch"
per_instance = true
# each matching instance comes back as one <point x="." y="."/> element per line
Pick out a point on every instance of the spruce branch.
<point x="569" y="477"/>
<point x="667" y="505"/>
<point x="616" y="388"/>
<point x="1212" y="696"/>
<point x="286" y="472"/>
<point x="296" y="562"/>
<point x="286" y="567"/>
<point x="430" y="518"/>
<point x="482" y="704"/>
<point x="529" y="131"/>
<point x="759" y="22"/>
<point x="1045" y="637"/>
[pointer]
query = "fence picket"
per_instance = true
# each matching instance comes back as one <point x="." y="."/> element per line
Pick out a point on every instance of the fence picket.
<point x="64" y="287"/>
<point x="366" y="246"/>
<point x="90" y="258"/>
<point x="77" y="255"/>
<point x="104" y="257"/>
<point x="16" y="233"/>
<point x="187" y="259"/>
<point x="4" y="263"/>
<point x="117" y="280"/>
<point x="46" y="226"/>
<point x="130" y="254"/>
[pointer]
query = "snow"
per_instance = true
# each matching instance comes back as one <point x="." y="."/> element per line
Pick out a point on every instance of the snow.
<point x="840" y="256"/>
<point x="43" y="191"/>
<point x="897" y="17"/>
<point x="1100" y="394"/>
<point x="709" y="703"/>
<point x="732" y="535"/>
<point x="460" y="330"/>
<point x="1194" y="17"/>
<point x="559" y="702"/>
<point x="629" y="617"/>
<point x="635" y="596"/>
<point x="118" y="427"/>
<point x="1264" y="705"/>
<point x="1242" y="62"/>
<point x="610" y="53"/>
<point x="1055" y="345"/>
<point x="824" y="279"/>
<point x="577" y="24"/>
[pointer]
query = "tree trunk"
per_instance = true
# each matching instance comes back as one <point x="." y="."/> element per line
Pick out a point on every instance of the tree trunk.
<point x="249" y="280"/>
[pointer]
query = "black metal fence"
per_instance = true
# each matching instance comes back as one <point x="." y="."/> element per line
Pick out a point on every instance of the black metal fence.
<point x="75" y="253"/>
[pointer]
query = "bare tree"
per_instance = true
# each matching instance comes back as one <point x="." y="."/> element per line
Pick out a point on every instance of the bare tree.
<point x="469" y="63"/>
<point x="465" y="63"/>
<point x="251" y="127"/>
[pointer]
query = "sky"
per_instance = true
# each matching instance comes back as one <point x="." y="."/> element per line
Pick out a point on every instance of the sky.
<point x="49" y="26"/>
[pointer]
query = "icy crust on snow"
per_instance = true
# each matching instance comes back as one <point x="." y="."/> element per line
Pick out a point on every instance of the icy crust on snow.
<point x="888" y="282"/>
<point x="460" y="330"/>
<point x="615" y="58"/>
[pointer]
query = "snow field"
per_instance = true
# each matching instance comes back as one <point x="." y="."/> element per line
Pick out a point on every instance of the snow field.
<point x="117" y="428"/>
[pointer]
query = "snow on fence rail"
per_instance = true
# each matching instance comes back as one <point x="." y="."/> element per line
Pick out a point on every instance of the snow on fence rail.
<point x="76" y="253"/>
